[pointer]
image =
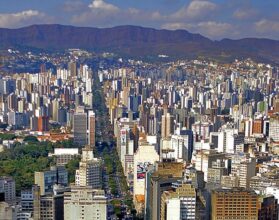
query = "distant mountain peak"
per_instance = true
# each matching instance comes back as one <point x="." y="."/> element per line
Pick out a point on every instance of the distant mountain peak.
<point x="136" y="41"/>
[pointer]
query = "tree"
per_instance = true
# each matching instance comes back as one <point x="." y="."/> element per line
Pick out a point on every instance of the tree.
<point x="30" y="138"/>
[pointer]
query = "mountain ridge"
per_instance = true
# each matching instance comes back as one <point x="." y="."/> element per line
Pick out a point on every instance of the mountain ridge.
<point x="137" y="41"/>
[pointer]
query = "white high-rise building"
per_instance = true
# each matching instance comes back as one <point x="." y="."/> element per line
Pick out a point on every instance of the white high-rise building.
<point x="180" y="147"/>
<point x="85" y="203"/>
<point x="227" y="139"/>
<point x="90" y="170"/>
<point x="179" y="203"/>
<point x="274" y="128"/>
<point x="144" y="158"/>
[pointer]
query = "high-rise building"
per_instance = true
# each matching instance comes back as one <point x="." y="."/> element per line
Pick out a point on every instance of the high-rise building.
<point x="161" y="179"/>
<point x="268" y="208"/>
<point x="85" y="203"/>
<point x="274" y="128"/>
<point x="48" y="207"/>
<point x="235" y="203"/>
<point x="72" y="68"/>
<point x="180" y="147"/>
<point x="43" y="123"/>
<point x="179" y="203"/>
<point x="215" y="173"/>
<point x="7" y="186"/>
<point x="244" y="168"/>
<point x="27" y="200"/>
<point x="55" y="109"/>
<point x="80" y="128"/>
<point x="204" y="160"/>
<point x="47" y="179"/>
<point x="90" y="170"/>
<point x="91" y="128"/>
<point x="144" y="160"/>
<point x="167" y="124"/>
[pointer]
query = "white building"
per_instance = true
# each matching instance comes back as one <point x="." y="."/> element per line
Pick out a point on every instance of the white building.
<point x="179" y="203"/>
<point x="89" y="172"/>
<point x="85" y="203"/>
<point x="64" y="155"/>
<point x="274" y="128"/>
<point x="144" y="158"/>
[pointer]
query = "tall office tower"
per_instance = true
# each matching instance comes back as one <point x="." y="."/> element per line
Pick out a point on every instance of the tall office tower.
<point x="34" y="123"/>
<point x="268" y="208"/>
<point x="133" y="102"/>
<point x="157" y="182"/>
<point x="48" y="207"/>
<point x="167" y="124"/>
<point x="80" y="128"/>
<point x="244" y="168"/>
<point x="85" y="203"/>
<point x="21" y="105"/>
<point x="72" y="68"/>
<point x="43" y="123"/>
<point x="179" y="203"/>
<point x="47" y="179"/>
<point x="274" y="128"/>
<point x="235" y="203"/>
<point x="55" y="108"/>
<point x="91" y="128"/>
<point x="90" y="170"/>
<point x="180" y="147"/>
<point x="7" y="186"/>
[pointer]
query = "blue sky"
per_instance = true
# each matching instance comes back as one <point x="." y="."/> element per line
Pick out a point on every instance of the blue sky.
<point x="215" y="19"/>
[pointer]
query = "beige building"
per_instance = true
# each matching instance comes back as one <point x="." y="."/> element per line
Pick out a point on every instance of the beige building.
<point x="229" y="181"/>
<point x="7" y="211"/>
<point x="244" y="168"/>
<point x="144" y="159"/>
<point x="85" y="203"/>
<point x="167" y="124"/>
<point x="235" y="203"/>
